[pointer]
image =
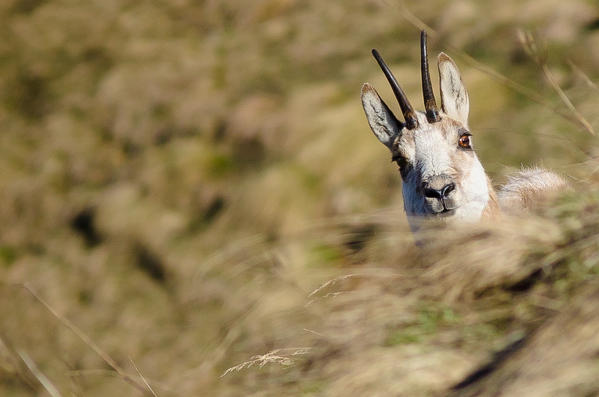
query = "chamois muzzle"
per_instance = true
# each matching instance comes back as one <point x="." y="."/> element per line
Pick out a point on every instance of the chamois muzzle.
<point x="440" y="194"/>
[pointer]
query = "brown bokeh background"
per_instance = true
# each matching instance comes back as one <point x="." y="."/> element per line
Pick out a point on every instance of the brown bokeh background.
<point x="178" y="178"/>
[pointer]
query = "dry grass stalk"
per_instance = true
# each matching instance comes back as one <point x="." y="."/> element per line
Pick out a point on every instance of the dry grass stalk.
<point x="89" y="342"/>
<point x="39" y="375"/>
<point x="583" y="76"/>
<point x="143" y="378"/>
<point x="574" y="117"/>
<point x="532" y="48"/>
<point x="356" y="277"/>
<point x="284" y="357"/>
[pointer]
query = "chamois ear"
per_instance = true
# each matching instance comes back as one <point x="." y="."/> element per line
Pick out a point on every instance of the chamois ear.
<point x="454" y="97"/>
<point x="382" y="121"/>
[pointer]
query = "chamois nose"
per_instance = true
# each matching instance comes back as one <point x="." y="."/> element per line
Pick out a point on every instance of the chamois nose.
<point x="442" y="193"/>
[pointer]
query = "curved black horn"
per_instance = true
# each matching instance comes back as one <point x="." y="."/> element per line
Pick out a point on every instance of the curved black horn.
<point x="407" y="109"/>
<point x="430" y="105"/>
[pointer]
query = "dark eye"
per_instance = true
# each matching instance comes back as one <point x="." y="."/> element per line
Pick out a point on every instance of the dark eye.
<point x="464" y="142"/>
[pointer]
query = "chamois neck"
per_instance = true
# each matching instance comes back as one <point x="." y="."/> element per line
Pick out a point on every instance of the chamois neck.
<point x="492" y="209"/>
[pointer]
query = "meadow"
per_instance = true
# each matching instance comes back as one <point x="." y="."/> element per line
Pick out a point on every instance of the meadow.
<point x="193" y="203"/>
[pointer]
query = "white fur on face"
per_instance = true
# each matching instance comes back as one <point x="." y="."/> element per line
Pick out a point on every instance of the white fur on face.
<point x="432" y="152"/>
<point x="475" y="192"/>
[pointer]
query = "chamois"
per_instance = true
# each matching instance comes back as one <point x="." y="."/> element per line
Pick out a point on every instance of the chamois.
<point x="442" y="177"/>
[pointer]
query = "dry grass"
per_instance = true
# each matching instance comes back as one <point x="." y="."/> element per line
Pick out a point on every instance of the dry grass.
<point x="191" y="190"/>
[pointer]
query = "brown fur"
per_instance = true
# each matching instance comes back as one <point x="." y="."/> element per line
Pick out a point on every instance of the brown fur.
<point x="492" y="210"/>
<point x="529" y="188"/>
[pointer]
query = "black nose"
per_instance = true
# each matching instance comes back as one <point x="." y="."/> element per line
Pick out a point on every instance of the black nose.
<point x="439" y="193"/>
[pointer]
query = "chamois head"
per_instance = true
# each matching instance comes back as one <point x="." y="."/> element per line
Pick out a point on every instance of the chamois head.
<point x="442" y="177"/>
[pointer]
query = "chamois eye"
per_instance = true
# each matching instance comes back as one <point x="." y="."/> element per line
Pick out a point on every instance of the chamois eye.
<point x="464" y="142"/>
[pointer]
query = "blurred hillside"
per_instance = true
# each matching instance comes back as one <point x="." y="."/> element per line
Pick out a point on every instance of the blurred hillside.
<point x="177" y="177"/>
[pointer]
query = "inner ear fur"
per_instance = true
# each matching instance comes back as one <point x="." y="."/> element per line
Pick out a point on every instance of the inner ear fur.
<point x="454" y="97"/>
<point x="383" y="123"/>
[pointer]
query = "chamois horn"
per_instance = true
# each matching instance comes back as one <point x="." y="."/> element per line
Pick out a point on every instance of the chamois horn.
<point x="407" y="109"/>
<point x="430" y="105"/>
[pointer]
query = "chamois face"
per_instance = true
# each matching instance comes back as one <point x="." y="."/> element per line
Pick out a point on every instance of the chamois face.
<point x="442" y="176"/>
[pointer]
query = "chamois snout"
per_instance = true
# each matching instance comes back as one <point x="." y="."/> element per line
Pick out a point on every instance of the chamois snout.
<point x="439" y="193"/>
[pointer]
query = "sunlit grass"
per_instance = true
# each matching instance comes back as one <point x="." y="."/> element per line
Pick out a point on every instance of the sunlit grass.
<point x="194" y="187"/>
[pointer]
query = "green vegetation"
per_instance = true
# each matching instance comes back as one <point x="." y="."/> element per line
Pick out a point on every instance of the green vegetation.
<point x="189" y="189"/>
